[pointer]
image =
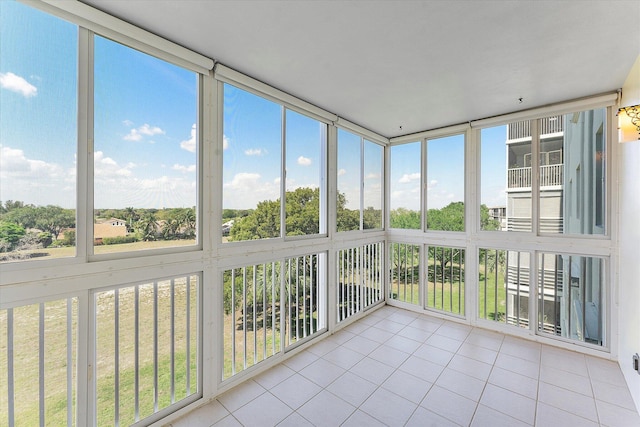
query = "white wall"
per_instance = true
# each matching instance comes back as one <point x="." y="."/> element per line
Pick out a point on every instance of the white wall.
<point x="629" y="242"/>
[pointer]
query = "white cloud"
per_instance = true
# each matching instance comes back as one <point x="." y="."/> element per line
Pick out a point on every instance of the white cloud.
<point x="255" y="152"/>
<point x="247" y="189"/>
<point x="41" y="182"/>
<point x="145" y="129"/>
<point x="408" y="177"/>
<point x="17" y="84"/>
<point x="225" y="142"/>
<point x="107" y="169"/>
<point x="137" y="134"/>
<point x="372" y="176"/>
<point x="183" y="168"/>
<point x="14" y="163"/>
<point x="304" y="161"/>
<point x="341" y="172"/>
<point x="133" y="135"/>
<point x="190" y="144"/>
<point x="244" y="181"/>
<point x="127" y="123"/>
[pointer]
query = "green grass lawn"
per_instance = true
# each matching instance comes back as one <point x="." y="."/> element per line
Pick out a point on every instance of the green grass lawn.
<point x="70" y="251"/>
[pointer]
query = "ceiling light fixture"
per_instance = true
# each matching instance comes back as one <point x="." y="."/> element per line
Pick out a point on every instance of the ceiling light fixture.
<point x="629" y="123"/>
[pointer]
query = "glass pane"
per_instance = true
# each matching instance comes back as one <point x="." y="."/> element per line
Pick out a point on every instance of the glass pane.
<point x="305" y="199"/>
<point x="145" y="151"/>
<point x="506" y="158"/>
<point x="445" y="183"/>
<point x="405" y="183"/>
<point x="251" y="166"/>
<point x="503" y="286"/>
<point x="349" y="181"/>
<point x="570" y="289"/>
<point x="38" y="111"/>
<point x="372" y="214"/>
<point x="572" y="173"/>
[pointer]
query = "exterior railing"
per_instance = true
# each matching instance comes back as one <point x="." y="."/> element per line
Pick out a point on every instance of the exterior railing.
<point x="445" y="279"/>
<point x="550" y="175"/>
<point x="404" y="273"/>
<point x="519" y="178"/>
<point x="141" y="358"/>
<point x="359" y="284"/>
<point x="548" y="125"/>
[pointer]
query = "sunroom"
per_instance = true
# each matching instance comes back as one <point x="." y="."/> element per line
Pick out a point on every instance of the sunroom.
<point x="271" y="213"/>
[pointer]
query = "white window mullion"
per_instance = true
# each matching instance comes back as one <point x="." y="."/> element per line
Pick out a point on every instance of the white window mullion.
<point x="362" y="188"/>
<point x="423" y="183"/>
<point x="535" y="225"/>
<point x="283" y="173"/>
<point x="84" y="163"/>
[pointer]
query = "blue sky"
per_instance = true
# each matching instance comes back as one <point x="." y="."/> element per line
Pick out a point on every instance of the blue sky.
<point x="144" y="131"/>
<point x="145" y="112"/>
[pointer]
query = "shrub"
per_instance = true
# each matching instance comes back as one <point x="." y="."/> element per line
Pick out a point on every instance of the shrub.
<point x="118" y="240"/>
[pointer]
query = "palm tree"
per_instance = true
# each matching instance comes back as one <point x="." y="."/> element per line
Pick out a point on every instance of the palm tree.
<point x="147" y="226"/>
<point x="131" y="215"/>
<point x="187" y="220"/>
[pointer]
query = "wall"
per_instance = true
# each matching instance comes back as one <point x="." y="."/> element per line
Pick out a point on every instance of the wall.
<point x="629" y="259"/>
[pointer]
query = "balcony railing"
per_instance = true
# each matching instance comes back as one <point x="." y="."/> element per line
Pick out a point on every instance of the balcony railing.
<point x="550" y="175"/>
<point x="548" y="125"/>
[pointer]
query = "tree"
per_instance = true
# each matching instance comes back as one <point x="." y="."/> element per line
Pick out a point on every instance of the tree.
<point x="53" y="219"/>
<point x="371" y="218"/>
<point x="449" y="218"/>
<point x="10" y="235"/>
<point x="405" y="219"/>
<point x="347" y="219"/>
<point x="302" y="216"/>
<point x="147" y="227"/>
<point x="131" y="216"/>
<point x="11" y="205"/>
<point x="262" y="223"/>
<point x="187" y="220"/>
<point x="24" y="216"/>
<point x="302" y="211"/>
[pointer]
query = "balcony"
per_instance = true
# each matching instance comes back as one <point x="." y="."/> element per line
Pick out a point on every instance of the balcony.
<point x="550" y="175"/>
<point x="548" y="126"/>
<point x="396" y="367"/>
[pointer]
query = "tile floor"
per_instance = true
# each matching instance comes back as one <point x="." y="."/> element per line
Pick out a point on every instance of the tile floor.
<point x="398" y="368"/>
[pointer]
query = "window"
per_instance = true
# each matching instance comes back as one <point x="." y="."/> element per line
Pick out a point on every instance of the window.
<point x="145" y="152"/>
<point x="372" y="193"/>
<point x="405" y="184"/>
<point x="445" y="184"/>
<point x="577" y="147"/>
<point x="506" y="158"/>
<point x="306" y="147"/>
<point x="253" y="145"/>
<point x="360" y="178"/>
<point x="252" y="159"/>
<point x="38" y="111"/>
<point x="349" y="181"/>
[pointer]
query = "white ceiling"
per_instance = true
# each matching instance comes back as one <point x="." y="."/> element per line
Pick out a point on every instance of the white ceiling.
<point x="415" y="64"/>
